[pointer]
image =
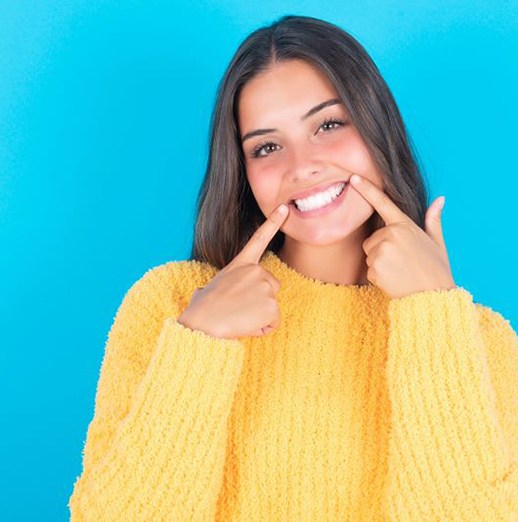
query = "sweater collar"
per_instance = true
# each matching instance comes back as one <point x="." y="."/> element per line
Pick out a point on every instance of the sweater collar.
<point x="285" y="273"/>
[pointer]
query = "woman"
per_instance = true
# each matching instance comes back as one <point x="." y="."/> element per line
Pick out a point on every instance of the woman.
<point x="320" y="364"/>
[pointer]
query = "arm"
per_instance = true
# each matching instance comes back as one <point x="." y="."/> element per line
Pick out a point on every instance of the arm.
<point x="155" y="449"/>
<point x="453" y="450"/>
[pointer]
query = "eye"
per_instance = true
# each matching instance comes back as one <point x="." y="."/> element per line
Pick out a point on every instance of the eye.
<point x="332" y="121"/>
<point x="257" y="149"/>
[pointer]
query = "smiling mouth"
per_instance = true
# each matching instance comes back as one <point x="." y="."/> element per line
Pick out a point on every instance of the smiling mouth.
<point x="324" y="201"/>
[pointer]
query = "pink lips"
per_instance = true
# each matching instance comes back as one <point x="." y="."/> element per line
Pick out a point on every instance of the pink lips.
<point x="322" y="210"/>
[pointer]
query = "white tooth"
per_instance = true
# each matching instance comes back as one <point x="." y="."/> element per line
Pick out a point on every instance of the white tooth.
<point x="333" y="191"/>
<point x="319" y="200"/>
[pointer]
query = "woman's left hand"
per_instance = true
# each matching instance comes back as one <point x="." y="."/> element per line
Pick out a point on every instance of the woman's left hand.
<point x="402" y="258"/>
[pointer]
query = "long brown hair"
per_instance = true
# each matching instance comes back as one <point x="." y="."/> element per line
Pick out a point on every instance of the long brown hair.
<point x="227" y="214"/>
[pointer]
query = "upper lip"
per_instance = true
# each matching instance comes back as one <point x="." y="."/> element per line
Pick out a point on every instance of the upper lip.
<point x="315" y="190"/>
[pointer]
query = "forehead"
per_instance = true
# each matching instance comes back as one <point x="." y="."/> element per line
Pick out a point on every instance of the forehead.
<point x="286" y="89"/>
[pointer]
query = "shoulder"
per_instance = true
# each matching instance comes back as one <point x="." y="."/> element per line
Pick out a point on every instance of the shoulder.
<point x="498" y="332"/>
<point x="493" y="320"/>
<point x="171" y="284"/>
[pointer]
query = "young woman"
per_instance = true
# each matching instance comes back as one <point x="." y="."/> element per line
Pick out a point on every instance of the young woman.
<point x="319" y="364"/>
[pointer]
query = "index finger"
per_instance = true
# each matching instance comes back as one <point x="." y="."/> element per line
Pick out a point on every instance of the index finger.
<point x="256" y="245"/>
<point x="386" y="208"/>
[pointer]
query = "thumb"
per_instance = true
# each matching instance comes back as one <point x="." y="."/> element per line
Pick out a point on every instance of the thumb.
<point x="433" y="224"/>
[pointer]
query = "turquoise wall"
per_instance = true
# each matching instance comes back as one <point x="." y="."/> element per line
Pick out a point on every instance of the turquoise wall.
<point x="104" y="115"/>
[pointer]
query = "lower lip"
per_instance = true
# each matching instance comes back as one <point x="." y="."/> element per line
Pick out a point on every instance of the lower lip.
<point x="322" y="210"/>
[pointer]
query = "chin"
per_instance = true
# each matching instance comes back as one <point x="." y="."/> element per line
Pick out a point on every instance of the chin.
<point x="319" y="241"/>
<point x="316" y="232"/>
<point x="321" y="236"/>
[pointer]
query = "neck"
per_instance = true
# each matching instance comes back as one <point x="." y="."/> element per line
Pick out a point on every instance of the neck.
<point x="342" y="263"/>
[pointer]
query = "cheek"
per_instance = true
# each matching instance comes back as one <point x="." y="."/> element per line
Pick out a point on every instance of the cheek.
<point x="264" y="183"/>
<point x="354" y="156"/>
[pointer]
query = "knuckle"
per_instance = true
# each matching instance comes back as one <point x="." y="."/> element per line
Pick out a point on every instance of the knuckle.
<point x="273" y="284"/>
<point x="265" y="285"/>
<point x="398" y="230"/>
<point x="376" y="262"/>
<point x="257" y="270"/>
<point x="382" y="246"/>
<point x="391" y="230"/>
<point x="272" y="306"/>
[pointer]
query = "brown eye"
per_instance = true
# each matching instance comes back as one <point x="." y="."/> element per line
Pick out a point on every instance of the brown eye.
<point x="257" y="150"/>
<point x="332" y="122"/>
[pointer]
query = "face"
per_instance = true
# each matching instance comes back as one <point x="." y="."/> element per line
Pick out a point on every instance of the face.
<point x="289" y="152"/>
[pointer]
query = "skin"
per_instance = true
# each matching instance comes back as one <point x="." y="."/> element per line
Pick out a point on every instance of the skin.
<point x="304" y="154"/>
<point x="339" y="246"/>
<point x="240" y="301"/>
<point x="390" y="248"/>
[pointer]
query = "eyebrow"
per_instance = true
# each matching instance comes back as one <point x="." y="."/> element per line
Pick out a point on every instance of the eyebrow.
<point x="316" y="108"/>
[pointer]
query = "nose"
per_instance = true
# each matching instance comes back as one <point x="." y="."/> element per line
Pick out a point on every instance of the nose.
<point x="305" y="162"/>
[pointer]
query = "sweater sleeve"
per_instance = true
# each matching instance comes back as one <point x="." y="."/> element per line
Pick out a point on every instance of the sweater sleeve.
<point x="156" y="446"/>
<point x="453" y="447"/>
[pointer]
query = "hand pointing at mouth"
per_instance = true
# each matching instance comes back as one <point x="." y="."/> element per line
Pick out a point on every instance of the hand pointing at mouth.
<point x="402" y="258"/>
<point x="241" y="299"/>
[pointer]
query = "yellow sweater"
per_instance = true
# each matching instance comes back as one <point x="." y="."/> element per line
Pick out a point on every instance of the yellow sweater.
<point x="357" y="408"/>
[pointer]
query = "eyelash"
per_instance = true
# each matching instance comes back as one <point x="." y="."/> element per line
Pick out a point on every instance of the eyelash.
<point x="255" y="151"/>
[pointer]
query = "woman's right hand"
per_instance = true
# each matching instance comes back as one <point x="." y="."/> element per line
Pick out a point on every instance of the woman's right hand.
<point x="240" y="300"/>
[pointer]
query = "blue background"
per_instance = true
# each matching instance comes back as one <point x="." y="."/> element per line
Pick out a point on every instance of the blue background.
<point x="104" y="117"/>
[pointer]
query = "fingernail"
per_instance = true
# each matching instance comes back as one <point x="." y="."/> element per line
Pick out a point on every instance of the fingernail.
<point x="282" y="209"/>
<point x="355" y="178"/>
<point x="442" y="201"/>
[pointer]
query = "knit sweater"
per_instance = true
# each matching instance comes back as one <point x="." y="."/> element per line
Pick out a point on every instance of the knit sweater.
<point x="358" y="407"/>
